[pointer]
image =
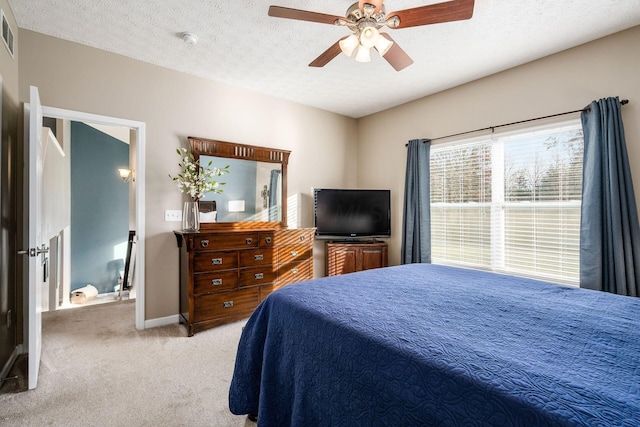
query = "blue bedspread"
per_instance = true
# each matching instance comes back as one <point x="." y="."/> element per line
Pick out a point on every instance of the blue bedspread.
<point x="428" y="345"/>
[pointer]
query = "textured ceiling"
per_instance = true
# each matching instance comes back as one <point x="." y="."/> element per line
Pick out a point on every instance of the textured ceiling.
<point x="240" y="45"/>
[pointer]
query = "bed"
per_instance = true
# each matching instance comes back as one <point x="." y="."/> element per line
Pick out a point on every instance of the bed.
<point x="429" y="345"/>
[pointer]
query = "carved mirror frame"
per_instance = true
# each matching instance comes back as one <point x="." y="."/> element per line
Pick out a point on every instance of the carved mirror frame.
<point x="231" y="150"/>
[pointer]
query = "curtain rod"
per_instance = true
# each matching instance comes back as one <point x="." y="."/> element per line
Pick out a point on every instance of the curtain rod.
<point x="491" y="128"/>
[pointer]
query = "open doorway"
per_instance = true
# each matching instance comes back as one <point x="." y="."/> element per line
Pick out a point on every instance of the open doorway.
<point x="87" y="213"/>
<point x="134" y="161"/>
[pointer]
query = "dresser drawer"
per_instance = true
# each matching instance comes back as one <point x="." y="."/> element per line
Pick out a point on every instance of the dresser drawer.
<point x="213" y="261"/>
<point x="257" y="275"/>
<point x="223" y="304"/>
<point x="293" y="237"/>
<point x="224" y="280"/>
<point x="228" y="241"/>
<point x="255" y="257"/>
<point x="266" y="240"/>
<point x="294" y="253"/>
<point x="294" y="272"/>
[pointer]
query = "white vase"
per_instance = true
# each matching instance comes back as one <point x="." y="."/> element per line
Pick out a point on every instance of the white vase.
<point x="191" y="216"/>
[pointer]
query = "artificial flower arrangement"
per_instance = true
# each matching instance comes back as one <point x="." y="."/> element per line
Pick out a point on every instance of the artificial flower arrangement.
<point x="197" y="180"/>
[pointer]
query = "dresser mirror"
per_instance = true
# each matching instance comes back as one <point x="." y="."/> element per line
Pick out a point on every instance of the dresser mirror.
<point x="255" y="189"/>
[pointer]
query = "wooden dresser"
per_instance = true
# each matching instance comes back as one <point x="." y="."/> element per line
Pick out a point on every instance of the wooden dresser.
<point x="225" y="274"/>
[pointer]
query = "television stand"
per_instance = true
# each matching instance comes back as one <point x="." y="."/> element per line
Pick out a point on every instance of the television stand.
<point x="357" y="240"/>
<point x="351" y="256"/>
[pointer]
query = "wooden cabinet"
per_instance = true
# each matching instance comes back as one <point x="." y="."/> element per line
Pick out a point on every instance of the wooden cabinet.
<point x="225" y="274"/>
<point x="350" y="257"/>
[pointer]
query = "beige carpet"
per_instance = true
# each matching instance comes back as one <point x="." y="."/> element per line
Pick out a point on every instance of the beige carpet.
<point x="98" y="370"/>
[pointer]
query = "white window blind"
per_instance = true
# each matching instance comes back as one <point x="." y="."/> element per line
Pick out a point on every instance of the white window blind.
<point x="510" y="202"/>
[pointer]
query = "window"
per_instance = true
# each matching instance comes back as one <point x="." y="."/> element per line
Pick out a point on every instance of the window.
<point x="510" y="202"/>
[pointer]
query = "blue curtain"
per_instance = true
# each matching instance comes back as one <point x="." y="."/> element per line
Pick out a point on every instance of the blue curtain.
<point x="416" y="217"/>
<point x="274" y="192"/>
<point x="609" y="231"/>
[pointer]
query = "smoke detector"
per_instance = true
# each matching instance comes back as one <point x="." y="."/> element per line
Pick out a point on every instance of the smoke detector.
<point x="190" y="38"/>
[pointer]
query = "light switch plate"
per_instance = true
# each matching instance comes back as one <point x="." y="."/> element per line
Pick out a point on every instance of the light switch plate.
<point x="172" y="215"/>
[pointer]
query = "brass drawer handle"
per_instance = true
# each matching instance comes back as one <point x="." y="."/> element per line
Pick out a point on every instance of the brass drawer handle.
<point x="204" y="243"/>
<point x="227" y="304"/>
<point x="249" y="240"/>
<point x="216" y="261"/>
<point x="294" y="271"/>
<point x="294" y="253"/>
<point x="259" y="276"/>
<point x="258" y="257"/>
<point x="216" y="282"/>
<point x="268" y="239"/>
<point x="302" y="238"/>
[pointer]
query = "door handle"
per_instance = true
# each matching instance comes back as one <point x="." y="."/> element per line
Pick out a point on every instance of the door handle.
<point x="32" y="252"/>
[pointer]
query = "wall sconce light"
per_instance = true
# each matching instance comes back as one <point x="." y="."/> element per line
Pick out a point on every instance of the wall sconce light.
<point x="126" y="175"/>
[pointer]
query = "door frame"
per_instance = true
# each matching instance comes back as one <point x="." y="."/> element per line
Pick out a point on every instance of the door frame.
<point x="140" y="129"/>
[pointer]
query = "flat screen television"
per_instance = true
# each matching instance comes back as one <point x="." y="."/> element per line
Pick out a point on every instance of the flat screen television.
<point x="352" y="213"/>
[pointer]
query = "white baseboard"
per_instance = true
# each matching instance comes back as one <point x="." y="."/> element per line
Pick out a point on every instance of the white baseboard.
<point x="161" y="321"/>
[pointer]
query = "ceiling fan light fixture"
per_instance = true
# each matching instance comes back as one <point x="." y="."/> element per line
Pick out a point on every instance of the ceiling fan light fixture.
<point x="364" y="54"/>
<point x="365" y="19"/>
<point x="383" y="45"/>
<point x="369" y="36"/>
<point x="349" y="44"/>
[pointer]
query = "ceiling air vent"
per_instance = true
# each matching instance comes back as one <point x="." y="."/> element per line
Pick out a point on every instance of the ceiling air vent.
<point x="7" y="34"/>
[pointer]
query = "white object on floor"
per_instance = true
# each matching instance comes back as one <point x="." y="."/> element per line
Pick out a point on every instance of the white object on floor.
<point x="82" y="295"/>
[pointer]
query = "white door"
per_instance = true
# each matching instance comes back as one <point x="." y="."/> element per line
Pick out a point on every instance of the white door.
<point x="37" y="251"/>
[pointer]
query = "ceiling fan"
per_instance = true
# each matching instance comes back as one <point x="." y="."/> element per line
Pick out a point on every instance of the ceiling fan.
<point x="365" y="18"/>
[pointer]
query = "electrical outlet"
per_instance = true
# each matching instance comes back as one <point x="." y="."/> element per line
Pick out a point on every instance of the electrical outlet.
<point x="172" y="215"/>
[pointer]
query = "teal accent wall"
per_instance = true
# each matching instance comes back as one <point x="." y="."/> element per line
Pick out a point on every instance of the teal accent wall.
<point x="99" y="207"/>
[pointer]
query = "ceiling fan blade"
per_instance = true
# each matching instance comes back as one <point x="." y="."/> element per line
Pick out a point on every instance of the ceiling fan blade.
<point x="302" y="15"/>
<point x="397" y="57"/>
<point x="327" y="55"/>
<point x="456" y="10"/>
